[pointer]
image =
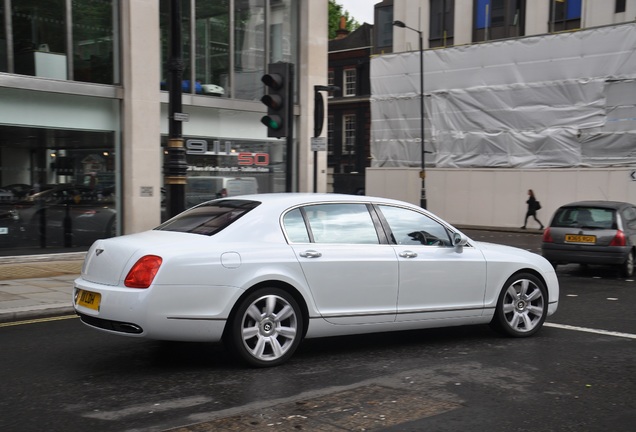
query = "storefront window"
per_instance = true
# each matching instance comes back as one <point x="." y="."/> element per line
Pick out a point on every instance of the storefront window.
<point x="39" y="38"/>
<point x="230" y="60"/>
<point x="282" y="31"/>
<point x="41" y="48"/>
<point x="95" y="44"/>
<point x="57" y="189"/>
<point x="221" y="167"/>
<point x="249" y="52"/>
<point x="212" y="47"/>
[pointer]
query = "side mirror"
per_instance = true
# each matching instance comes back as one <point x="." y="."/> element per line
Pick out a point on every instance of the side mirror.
<point x="459" y="241"/>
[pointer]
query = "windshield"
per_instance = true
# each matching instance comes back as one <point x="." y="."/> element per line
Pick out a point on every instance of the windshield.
<point x="208" y="219"/>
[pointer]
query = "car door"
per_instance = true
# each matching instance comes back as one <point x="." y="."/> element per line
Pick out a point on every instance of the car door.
<point x="352" y="274"/>
<point x="437" y="280"/>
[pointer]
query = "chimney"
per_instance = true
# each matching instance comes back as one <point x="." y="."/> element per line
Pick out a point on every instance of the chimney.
<point x="342" y="32"/>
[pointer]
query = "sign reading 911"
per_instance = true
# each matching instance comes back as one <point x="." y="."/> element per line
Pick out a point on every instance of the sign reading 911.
<point x="216" y="148"/>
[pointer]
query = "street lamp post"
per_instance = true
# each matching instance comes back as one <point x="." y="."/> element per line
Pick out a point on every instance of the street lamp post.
<point x="423" y="165"/>
<point x="175" y="164"/>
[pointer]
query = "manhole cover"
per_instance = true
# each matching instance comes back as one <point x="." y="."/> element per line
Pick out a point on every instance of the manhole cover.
<point x="361" y="409"/>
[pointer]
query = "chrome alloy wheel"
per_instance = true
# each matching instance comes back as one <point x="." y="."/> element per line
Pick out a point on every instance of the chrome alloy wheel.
<point x="269" y="327"/>
<point x="523" y="306"/>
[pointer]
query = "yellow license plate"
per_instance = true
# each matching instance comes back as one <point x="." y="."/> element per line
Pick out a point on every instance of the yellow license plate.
<point x="89" y="299"/>
<point x="576" y="238"/>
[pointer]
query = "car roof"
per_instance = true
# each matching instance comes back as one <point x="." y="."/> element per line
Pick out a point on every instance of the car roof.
<point x="599" y="204"/>
<point x="290" y="199"/>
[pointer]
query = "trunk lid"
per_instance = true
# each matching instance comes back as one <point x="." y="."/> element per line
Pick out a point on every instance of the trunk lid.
<point x="109" y="260"/>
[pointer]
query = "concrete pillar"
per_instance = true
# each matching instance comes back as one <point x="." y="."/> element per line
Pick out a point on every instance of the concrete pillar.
<point x="141" y="136"/>
<point x="312" y="70"/>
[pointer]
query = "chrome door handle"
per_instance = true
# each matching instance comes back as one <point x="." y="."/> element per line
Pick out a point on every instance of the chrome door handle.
<point x="310" y="254"/>
<point x="408" y="254"/>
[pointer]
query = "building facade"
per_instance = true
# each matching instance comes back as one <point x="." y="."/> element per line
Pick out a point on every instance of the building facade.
<point x="349" y="114"/>
<point x="458" y="22"/>
<point x="519" y="95"/>
<point x="84" y="110"/>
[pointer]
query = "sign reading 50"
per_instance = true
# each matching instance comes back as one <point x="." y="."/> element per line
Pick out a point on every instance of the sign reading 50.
<point x="216" y="148"/>
<point x="259" y="159"/>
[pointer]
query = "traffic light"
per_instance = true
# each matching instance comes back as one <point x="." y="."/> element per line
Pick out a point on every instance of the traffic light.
<point x="278" y="99"/>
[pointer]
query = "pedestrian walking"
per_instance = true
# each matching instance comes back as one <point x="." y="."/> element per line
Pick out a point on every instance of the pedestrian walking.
<point x="533" y="206"/>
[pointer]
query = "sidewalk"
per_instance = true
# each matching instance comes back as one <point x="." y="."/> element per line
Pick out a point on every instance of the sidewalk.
<point x="42" y="286"/>
<point x="37" y="286"/>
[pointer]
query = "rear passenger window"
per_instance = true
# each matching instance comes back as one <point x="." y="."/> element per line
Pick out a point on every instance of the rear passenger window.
<point x="348" y="223"/>
<point x="295" y="227"/>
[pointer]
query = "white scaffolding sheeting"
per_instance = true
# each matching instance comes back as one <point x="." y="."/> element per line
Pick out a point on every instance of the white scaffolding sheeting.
<point x="562" y="100"/>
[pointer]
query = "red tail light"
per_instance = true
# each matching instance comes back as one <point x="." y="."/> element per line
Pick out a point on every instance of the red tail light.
<point x="619" y="239"/>
<point x="547" y="237"/>
<point x="143" y="272"/>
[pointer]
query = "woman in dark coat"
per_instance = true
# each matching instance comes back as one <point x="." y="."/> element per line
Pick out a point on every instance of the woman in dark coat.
<point x="532" y="209"/>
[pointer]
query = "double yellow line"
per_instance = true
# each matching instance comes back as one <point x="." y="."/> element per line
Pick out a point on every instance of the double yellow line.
<point x="38" y="320"/>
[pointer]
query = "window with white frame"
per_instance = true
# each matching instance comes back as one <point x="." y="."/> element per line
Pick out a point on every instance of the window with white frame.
<point x="349" y="134"/>
<point x="349" y="82"/>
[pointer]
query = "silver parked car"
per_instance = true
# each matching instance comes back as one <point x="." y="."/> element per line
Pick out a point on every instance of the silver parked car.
<point x="592" y="232"/>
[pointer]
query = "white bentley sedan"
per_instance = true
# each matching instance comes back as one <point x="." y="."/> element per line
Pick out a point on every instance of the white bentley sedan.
<point x="262" y="272"/>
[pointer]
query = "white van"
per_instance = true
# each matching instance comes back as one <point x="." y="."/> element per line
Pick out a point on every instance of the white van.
<point x="204" y="188"/>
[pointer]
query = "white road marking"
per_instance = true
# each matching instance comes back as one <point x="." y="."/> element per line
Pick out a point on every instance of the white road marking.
<point x="149" y="408"/>
<point x="589" y="330"/>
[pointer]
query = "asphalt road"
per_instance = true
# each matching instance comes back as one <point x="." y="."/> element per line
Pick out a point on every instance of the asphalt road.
<point x="577" y="374"/>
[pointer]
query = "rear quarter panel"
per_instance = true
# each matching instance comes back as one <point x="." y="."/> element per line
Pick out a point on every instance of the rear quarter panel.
<point x="239" y="265"/>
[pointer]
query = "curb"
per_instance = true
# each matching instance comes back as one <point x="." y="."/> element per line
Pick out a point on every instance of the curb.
<point x="536" y="231"/>
<point x="23" y="259"/>
<point x="45" y="311"/>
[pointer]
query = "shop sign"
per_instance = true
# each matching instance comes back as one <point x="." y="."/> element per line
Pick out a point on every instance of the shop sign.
<point x="216" y="148"/>
<point x="202" y="147"/>
<point x="258" y="159"/>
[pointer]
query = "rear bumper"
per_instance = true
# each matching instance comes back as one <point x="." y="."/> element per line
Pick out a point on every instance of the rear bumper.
<point x="580" y="254"/>
<point x="164" y="312"/>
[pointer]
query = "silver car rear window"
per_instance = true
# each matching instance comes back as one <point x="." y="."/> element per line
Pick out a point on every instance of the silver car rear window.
<point x="585" y="217"/>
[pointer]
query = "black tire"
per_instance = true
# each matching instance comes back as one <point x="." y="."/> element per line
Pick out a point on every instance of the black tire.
<point x="522" y="306"/>
<point x="627" y="268"/>
<point x="266" y="328"/>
